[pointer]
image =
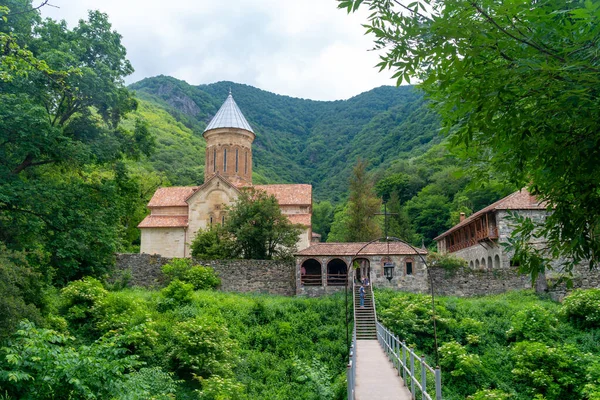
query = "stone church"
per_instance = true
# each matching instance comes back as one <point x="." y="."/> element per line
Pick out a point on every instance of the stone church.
<point x="177" y="214"/>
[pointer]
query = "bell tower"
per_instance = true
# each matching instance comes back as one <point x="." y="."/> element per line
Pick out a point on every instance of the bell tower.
<point x="229" y="140"/>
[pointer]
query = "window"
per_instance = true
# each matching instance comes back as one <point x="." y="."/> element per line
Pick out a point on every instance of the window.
<point x="236" y="159"/>
<point x="211" y="220"/>
<point x="409" y="267"/>
<point x="223" y="220"/>
<point x="214" y="160"/>
<point x="224" y="160"/>
<point x="246" y="167"/>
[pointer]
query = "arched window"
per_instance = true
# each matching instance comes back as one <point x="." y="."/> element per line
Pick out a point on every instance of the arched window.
<point x="497" y="261"/>
<point x="224" y="160"/>
<point x="246" y="166"/>
<point x="483" y="263"/>
<point x="477" y="264"/>
<point x="214" y="160"/>
<point x="222" y="219"/>
<point x="471" y="264"/>
<point x="337" y="271"/>
<point x="489" y="264"/>
<point x="237" y="151"/>
<point x="310" y="273"/>
<point x="211" y="220"/>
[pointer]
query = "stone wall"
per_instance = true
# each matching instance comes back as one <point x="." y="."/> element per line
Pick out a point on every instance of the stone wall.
<point x="466" y="282"/>
<point x="261" y="276"/>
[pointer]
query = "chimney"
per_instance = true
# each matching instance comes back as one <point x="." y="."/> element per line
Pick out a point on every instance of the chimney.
<point x="462" y="216"/>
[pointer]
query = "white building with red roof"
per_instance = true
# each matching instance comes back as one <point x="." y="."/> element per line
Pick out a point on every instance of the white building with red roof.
<point x="177" y="214"/>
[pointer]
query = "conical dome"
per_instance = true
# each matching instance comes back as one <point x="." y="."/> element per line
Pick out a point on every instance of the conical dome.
<point x="229" y="116"/>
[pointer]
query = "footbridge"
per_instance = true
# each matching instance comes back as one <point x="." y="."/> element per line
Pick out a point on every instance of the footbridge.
<point x="381" y="366"/>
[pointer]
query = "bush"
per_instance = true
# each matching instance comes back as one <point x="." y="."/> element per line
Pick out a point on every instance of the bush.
<point x="583" y="307"/>
<point x="184" y="270"/>
<point x="533" y="323"/>
<point x="488" y="394"/>
<point x="45" y="364"/>
<point x="82" y="298"/>
<point x="148" y="383"/>
<point x="557" y="373"/>
<point x="447" y="261"/>
<point x="202" y="346"/>
<point x="464" y="368"/>
<point x="22" y="291"/>
<point x="214" y="244"/>
<point x="178" y="293"/>
<point x="218" y="388"/>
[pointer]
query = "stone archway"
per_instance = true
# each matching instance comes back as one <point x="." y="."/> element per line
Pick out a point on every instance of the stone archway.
<point x="363" y="268"/>
<point x="312" y="273"/>
<point x="337" y="272"/>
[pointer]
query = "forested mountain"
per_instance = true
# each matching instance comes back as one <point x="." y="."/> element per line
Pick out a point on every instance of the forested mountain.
<point x="297" y="140"/>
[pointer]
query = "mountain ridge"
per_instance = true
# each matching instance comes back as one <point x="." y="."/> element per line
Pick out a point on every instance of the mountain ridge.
<point x="303" y="140"/>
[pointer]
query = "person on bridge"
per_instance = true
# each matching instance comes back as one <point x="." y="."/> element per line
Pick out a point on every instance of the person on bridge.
<point x="362" y="296"/>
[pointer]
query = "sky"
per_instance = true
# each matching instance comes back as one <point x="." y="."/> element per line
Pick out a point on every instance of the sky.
<point x="300" y="48"/>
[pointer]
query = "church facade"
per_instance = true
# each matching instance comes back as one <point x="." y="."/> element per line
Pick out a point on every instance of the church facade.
<point x="177" y="214"/>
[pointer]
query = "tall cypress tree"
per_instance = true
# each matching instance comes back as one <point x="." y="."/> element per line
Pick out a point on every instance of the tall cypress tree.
<point x="362" y="206"/>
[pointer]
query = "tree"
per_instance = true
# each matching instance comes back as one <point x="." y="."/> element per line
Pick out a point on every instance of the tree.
<point x="64" y="188"/>
<point x="517" y="86"/>
<point x="261" y="231"/>
<point x="214" y="243"/>
<point x="322" y="218"/>
<point x="355" y="221"/>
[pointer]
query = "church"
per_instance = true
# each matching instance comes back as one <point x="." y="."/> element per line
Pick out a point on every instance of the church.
<point x="177" y="214"/>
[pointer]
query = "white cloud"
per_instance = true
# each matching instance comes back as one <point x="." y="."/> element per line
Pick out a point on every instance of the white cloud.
<point x="304" y="48"/>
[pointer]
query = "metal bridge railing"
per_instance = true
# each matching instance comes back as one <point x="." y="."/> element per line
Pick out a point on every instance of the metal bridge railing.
<point x="351" y="368"/>
<point x="397" y="352"/>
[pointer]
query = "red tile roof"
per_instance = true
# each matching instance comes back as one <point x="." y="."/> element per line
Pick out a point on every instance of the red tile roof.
<point x="164" y="221"/>
<point x="172" y="196"/>
<point x="302" y="219"/>
<point x="519" y="200"/>
<point x="300" y="195"/>
<point x="350" y="249"/>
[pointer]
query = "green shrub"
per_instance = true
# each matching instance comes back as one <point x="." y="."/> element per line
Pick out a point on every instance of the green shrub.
<point x="82" y="298"/>
<point x="219" y="388"/>
<point x="447" y="261"/>
<point x="22" y="291"/>
<point x="583" y="307"/>
<point x="202" y="346"/>
<point x="184" y="270"/>
<point x="557" y="373"/>
<point x="45" y="364"/>
<point x="178" y="293"/>
<point x="533" y="323"/>
<point x="148" y="383"/>
<point x="490" y="394"/>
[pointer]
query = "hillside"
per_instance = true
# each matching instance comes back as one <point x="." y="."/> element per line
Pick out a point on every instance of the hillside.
<point x="298" y="140"/>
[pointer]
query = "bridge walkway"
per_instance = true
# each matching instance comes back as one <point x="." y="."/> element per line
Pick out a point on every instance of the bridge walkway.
<point x="376" y="377"/>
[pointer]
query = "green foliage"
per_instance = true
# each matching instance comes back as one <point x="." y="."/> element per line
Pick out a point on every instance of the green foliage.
<point x="214" y="243"/>
<point x="583" y="307"/>
<point x="219" y="388"/>
<point x="447" y="261"/>
<point x="63" y="186"/>
<point x="534" y="323"/>
<point x="82" y="298"/>
<point x="554" y="372"/>
<point x="516" y="87"/>
<point x="488" y="394"/>
<point x="22" y="291"/>
<point x="261" y="231"/>
<point x="514" y="345"/>
<point x="148" y="384"/>
<point x="184" y="270"/>
<point x="177" y="293"/>
<point x="44" y="364"/>
<point x="322" y="218"/>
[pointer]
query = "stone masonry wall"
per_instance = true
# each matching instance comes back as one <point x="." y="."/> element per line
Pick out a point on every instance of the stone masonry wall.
<point x="263" y="276"/>
<point x="466" y="282"/>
